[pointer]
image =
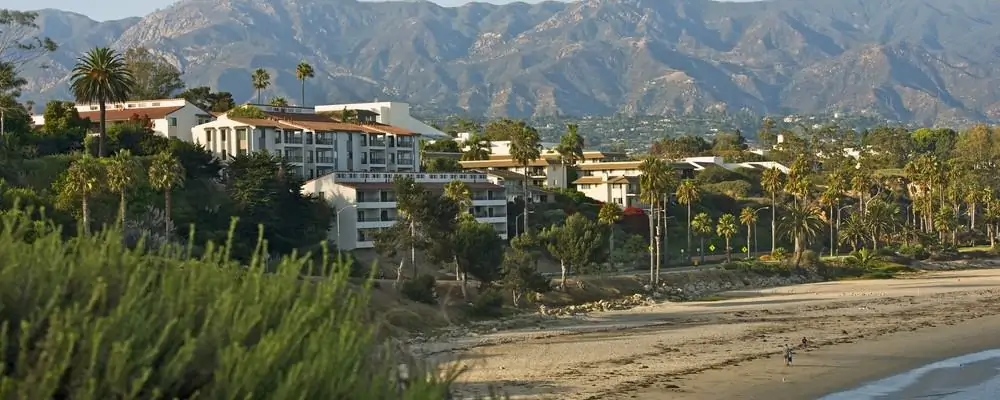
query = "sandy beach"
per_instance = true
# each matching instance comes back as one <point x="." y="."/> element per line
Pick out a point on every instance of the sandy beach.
<point x="856" y="331"/>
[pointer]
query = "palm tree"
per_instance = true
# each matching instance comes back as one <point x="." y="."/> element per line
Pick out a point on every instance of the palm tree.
<point x="261" y="80"/>
<point x="654" y="182"/>
<point x="460" y="193"/>
<point x="801" y="223"/>
<point x="748" y="217"/>
<point x="122" y="174"/>
<point x="165" y="174"/>
<point x="609" y="215"/>
<point x="571" y="145"/>
<point x="279" y="102"/>
<point x="771" y="182"/>
<point x="302" y="72"/>
<point x="85" y="177"/>
<point x="727" y="228"/>
<point x="478" y="148"/>
<point x="798" y="179"/>
<point x="525" y="149"/>
<point x="687" y="194"/>
<point x="101" y="76"/>
<point x="702" y="226"/>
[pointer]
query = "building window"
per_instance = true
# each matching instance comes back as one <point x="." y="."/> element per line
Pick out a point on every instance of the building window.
<point x="618" y="200"/>
<point x="583" y="187"/>
<point x="208" y="136"/>
<point x="277" y="137"/>
<point x="172" y="121"/>
<point x="225" y="155"/>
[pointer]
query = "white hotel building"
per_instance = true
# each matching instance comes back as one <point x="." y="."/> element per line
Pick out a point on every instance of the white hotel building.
<point x="365" y="202"/>
<point x="350" y="165"/>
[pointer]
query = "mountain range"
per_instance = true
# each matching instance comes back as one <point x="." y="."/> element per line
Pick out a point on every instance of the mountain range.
<point x="911" y="60"/>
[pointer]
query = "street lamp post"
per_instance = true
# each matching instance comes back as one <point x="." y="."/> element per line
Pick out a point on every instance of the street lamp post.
<point x="836" y="250"/>
<point x="756" y="249"/>
<point x="338" y="222"/>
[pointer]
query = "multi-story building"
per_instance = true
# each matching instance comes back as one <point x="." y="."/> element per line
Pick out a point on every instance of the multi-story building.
<point x="315" y="144"/>
<point x="172" y="118"/>
<point x="389" y="113"/>
<point x="545" y="171"/>
<point x="365" y="202"/>
<point x="513" y="184"/>
<point x="618" y="181"/>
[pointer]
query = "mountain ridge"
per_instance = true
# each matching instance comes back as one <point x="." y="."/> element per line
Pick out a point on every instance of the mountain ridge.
<point x="926" y="61"/>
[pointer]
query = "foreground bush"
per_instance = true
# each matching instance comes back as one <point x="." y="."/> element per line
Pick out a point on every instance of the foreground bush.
<point x="88" y="318"/>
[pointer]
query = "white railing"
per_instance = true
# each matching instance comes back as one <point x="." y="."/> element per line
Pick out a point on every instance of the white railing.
<point x="420" y="177"/>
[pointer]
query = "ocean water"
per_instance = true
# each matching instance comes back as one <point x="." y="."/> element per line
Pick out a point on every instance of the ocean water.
<point x="969" y="377"/>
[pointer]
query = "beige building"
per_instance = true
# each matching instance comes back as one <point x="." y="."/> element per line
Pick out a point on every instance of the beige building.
<point x="547" y="171"/>
<point x="365" y="202"/>
<point x="171" y="118"/>
<point x="617" y="182"/>
<point x="315" y="144"/>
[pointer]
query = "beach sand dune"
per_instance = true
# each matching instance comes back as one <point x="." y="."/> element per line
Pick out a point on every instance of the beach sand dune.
<point x="731" y="349"/>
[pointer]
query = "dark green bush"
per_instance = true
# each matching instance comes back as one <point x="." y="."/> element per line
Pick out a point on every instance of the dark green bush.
<point x="916" y="252"/>
<point x="420" y="289"/>
<point x="90" y="318"/>
<point x="488" y="304"/>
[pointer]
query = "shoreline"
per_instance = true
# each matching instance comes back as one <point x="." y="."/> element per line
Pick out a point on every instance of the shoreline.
<point x="835" y="368"/>
<point x="676" y="349"/>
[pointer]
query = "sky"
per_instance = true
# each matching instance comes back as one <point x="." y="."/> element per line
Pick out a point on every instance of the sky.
<point x="103" y="10"/>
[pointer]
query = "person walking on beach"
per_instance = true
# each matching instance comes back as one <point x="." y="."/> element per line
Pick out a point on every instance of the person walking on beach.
<point x="788" y="355"/>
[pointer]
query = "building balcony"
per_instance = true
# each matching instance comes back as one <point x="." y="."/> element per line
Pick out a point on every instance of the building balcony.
<point x="294" y="159"/>
<point x="375" y="224"/>
<point x="492" y="220"/>
<point x="325" y="160"/>
<point x="376" y="143"/>
<point x="491" y="202"/>
<point x="325" y="142"/>
<point x="293" y="140"/>
<point x="377" y="161"/>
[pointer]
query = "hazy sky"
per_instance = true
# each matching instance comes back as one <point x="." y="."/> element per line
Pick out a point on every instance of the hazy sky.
<point x="103" y="10"/>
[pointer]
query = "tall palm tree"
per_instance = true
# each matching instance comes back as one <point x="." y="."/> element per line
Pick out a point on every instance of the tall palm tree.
<point x="829" y="200"/>
<point x="165" y="174"/>
<point x="302" y="72"/>
<point x="727" y="228"/>
<point x="460" y="193"/>
<point x="801" y="223"/>
<point x="122" y="174"/>
<point x="748" y="217"/>
<point x="85" y="177"/>
<point x="609" y="215"/>
<point x="702" y="226"/>
<point x="261" y="80"/>
<point x="798" y="179"/>
<point x="525" y="149"/>
<point x="687" y="194"/>
<point x="571" y="145"/>
<point x="478" y="148"/>
<point x="101" y="76"/>
<point x="771" y="182"/>
<point x="653" y="184"/>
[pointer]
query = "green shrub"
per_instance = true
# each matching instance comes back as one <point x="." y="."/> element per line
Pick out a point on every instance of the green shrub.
<point x="89" y="318"/>
<point x="779" y="254"/>
<point x="420" y="289"/>
<point x="916" y="252"/>
<point x="488" y="304"/>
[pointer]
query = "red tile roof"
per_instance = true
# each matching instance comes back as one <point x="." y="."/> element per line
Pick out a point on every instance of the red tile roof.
<point x="129" y="113"/>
